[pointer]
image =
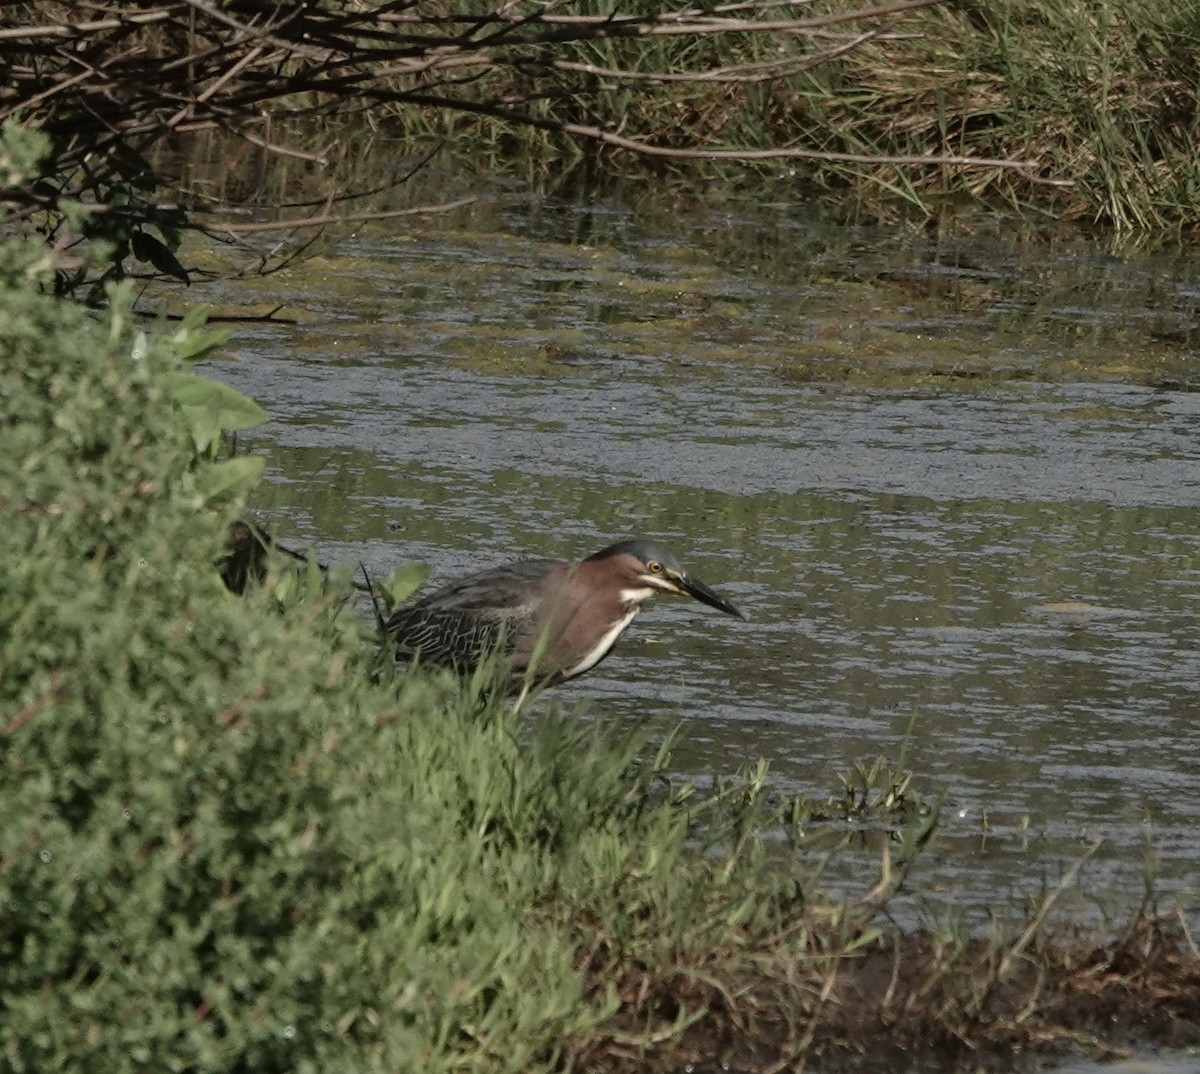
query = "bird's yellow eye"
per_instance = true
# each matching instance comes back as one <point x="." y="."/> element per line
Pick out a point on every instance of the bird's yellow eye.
<point x="654" y="567"/>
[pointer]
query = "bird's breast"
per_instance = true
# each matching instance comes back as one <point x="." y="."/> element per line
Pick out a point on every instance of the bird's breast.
<point x="603" y="644"/>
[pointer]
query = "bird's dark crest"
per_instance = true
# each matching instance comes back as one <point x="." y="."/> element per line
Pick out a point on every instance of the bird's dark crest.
<point x="641" y="549"/>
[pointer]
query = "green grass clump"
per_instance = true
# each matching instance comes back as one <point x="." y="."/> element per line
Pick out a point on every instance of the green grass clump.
<point x="1099" y="100"/>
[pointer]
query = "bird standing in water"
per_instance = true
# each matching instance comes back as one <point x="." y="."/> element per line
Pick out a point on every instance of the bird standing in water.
<point x="548" y="619"/>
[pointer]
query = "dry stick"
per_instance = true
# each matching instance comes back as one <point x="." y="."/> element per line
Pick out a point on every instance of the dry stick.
<point x="761" y="71"/>
<point x="237" y="318"/>
<point x="241" y="65"/>
<point x="322" y="221"/>
<point x="673" y="25"/>
<point x="687" y="22"/>
<point x="255" y="33"/>
<point x="265" y="268"/>
<point x="651" y="150"/>
<point x="391" y="184"/>
<point x="753" y="5"/>
<point x="191" y="59"/>
<point x="79" y="29"/>
<point x="27" y="104"/>
<point x="690" y="20"/>
<point x="277" y="149"/>
<point x="149" y="125"/>
<point x="453" y="54"/>
<point x="647" y="149"/>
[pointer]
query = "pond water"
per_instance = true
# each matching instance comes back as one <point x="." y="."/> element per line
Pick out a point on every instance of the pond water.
<point x="954" y="481"/>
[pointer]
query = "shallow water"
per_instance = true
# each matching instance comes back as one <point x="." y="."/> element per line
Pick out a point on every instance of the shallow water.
<point x="952" y="482"/>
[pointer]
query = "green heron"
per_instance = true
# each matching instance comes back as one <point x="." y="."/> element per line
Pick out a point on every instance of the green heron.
<point x="548" y="619"/>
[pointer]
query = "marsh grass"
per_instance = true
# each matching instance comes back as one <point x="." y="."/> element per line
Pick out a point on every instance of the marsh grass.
<point x="1097" y="99"/>
<point x="1061" y="109"/>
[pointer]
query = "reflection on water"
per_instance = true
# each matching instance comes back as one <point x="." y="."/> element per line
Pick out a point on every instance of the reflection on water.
<point x="1005" y="573"/>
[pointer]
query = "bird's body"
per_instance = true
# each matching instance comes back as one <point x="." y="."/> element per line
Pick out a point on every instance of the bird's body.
<point x="549" y="620"/>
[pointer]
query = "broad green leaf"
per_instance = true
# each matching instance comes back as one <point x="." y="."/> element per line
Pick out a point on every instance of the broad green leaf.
<point x="191" y="348"/>
<point x="230" y="409"/>
<point x="237" y="475"/>
<point x="403" y="582"/>
<point x="191" y="341"/>
<point x="193" y="320"/>
<point x="202" y="424"/>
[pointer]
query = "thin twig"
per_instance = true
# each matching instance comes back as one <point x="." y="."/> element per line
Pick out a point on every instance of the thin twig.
<point x="78" y="29"/>
<point x="333" y="219"/>
<point x="935" y="160"/>
<point x="760" y="71"/>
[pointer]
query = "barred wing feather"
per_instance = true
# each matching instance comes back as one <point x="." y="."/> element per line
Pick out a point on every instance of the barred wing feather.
<point x="460" y="624"/>
<point x="445" y="637"/>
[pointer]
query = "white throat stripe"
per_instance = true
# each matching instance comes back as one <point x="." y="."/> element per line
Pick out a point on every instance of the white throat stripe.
<point x="637" y="596"/>
<point x="601" y="648"/>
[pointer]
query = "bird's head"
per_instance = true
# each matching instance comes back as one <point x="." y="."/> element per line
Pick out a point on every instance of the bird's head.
<point x="643" y="569"/>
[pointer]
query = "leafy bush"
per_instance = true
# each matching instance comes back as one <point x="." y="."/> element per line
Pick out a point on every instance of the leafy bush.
<point x="226" y="844"/>
<point x="224" y="847"/>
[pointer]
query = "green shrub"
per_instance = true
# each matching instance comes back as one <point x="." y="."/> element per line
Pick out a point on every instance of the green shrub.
<point x="228" y="846"/>
<point x="223" y="846"/>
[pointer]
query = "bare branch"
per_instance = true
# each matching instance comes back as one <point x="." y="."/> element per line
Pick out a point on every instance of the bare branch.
<point x="762" y="71"/>
<point x="82" y="29"/>
<point x="784" y="153"/>
<point x="329" y="219"/>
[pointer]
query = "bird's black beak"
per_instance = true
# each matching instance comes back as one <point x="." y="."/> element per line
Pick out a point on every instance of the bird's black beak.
<point x="693" y="587"/>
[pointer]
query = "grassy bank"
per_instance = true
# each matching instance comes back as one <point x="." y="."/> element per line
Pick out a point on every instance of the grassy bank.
<point x="1100" y="99"/>
<point x="227" y="848"/>
<point x="1060" y="109"/>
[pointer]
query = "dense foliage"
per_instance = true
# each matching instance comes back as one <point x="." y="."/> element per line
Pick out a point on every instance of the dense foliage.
<point x="224" y="847"/>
